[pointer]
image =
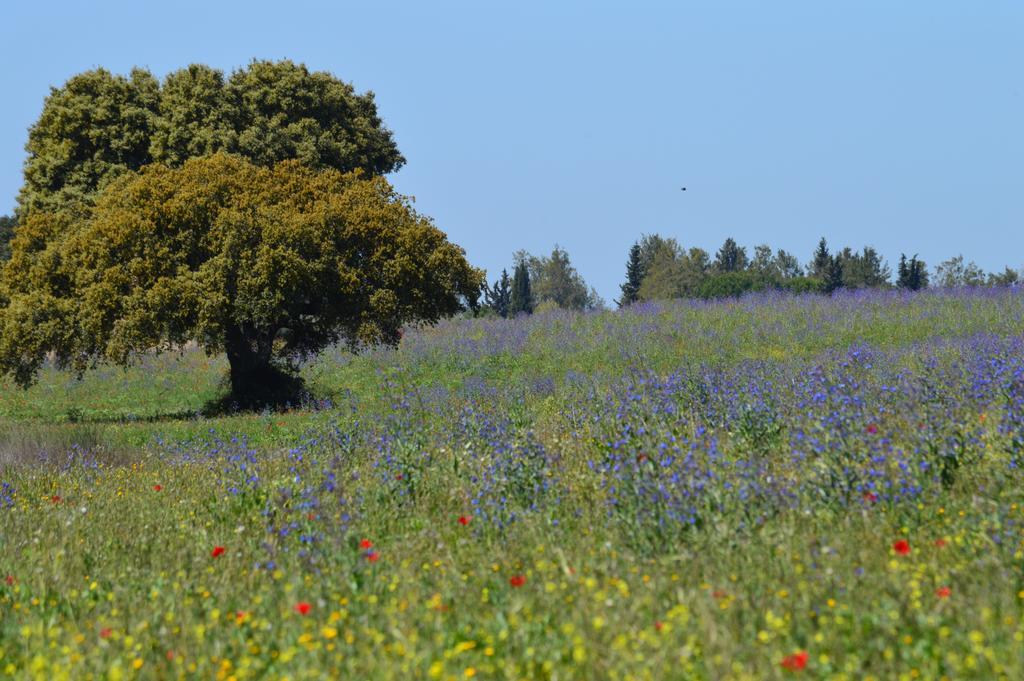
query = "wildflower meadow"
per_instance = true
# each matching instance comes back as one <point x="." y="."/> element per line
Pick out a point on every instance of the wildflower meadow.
<point x="773" y="487"/>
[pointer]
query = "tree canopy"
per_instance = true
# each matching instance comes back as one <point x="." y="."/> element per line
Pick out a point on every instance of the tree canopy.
<point x="94" y="128"/>
<point x="634" y="277"/>
<point x="731" y="257"/>
<point x="553" y="278"/>
<point x="99" y="125"/>
<point x="956" y="272"/>
<point x="911" y="274"/>
<point x="821" y="260"/>
<point x="6" y="234"/>
<point x="864" y="269"/>
<point x="521" y="298"/>
<point x="499" y="296"/>
<point x="674" y="272"/>
<point x="263" y="264"/>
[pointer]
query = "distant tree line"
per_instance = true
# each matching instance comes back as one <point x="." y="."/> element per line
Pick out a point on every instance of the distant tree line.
<point x="660" y="268"/>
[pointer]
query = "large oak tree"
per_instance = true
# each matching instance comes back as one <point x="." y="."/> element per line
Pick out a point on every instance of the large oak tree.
<point x="264" y="264"/>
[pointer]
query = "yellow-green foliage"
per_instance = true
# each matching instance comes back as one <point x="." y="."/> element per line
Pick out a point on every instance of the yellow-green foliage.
<point x="270" y="261"/>
<point x="99" y="125"/>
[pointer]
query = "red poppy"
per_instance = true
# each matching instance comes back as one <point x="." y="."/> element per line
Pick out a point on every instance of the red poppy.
<point x="105" y="632"/>
<point x="517" y="580"/>
<point x="217" y="552"/>
<point x="373" y="556"/>
<point x="940" y="542"/>
<point x="873" y="429"/>
<point x="901" y="546"/>
<point x="170" y="655"/>
<point x="718" y="593"/>
<point x="870" y="496"/>
<point x="366" y="544"/>
<point x="10" y="580"/>
<point x="658" y="625"/>
<point x="55" y="499"/>
<point x="796" y="661"/>
<point x="157" y="488"/>
<point x="464" y="519"/>
<point x="303" y="608"/>
<point x="943" y="592"/>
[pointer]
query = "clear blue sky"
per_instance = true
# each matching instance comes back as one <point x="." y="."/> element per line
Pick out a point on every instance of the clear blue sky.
<point x="895" y="124"/>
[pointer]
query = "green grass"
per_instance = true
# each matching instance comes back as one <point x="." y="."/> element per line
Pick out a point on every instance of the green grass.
<point x="111" y="577"/>
<point x="159" y="395"/>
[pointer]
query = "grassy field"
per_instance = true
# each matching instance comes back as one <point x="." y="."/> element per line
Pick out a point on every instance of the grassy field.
<point x="768" y="488"/>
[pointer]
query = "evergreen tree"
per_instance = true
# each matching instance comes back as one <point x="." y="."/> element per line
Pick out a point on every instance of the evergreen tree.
<point x="834" y="274"/>
<point x="521" y="299"/>
<point x="864" y="269"/>
<point x="918" y="274"/>
<point x="820" y="261"/>
<point x="634" y="277"/>
<point x="912" y="274"/>
<point x="499" y="296"/>
<point x="731" y="257"/>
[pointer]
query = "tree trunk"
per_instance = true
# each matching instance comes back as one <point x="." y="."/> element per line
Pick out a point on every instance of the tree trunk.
<point x="255" y="380"/>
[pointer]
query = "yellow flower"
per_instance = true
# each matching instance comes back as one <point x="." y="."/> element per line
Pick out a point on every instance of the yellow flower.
<point x="463" y="647"/>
